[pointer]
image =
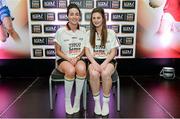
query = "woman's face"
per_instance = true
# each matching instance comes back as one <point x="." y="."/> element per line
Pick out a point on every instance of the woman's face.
<point x="97" y="19"/>
<point x="74" y="16"/>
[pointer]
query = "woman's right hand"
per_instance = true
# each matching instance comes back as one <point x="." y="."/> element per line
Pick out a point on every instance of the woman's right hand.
<point x="96" y="67"/>
<point x="72" y="61"/>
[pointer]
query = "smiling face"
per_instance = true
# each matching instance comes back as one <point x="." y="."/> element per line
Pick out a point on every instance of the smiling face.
<point x="74" y="16"/>
<point x="97" y="19"/>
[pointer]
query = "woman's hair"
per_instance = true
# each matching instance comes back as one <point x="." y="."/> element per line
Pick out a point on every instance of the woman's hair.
<point x="93" y="28"/>
<point x="70" y="6"/>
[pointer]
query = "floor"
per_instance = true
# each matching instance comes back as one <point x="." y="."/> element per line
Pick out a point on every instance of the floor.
<point x="141" y="97"/>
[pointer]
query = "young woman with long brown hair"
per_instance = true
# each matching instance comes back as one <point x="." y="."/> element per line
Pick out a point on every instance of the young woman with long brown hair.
<point x="100" y="50"/>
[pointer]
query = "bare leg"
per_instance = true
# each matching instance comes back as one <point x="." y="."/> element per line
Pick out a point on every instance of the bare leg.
<point x="106" y="84"/>
<point x="69" y="71"/>
<point x="106" y="79"/>
<point x="80" y="77"/>
<point x="94" y="80"/>
<point x="95" y="87"/>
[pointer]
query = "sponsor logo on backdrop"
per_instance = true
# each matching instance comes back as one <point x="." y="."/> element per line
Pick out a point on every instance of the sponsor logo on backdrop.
<point x="128" y="4"/>
<point x="62" y="3"/>
<point x="36" y="28"/>
<point x="130" y="16"/>
<point x="54" y="4"/>
<point x="42" y="16"/>
<point x="38" y="16"/>
<point x="89" y="4"/>
<point x="62" y="16"/>
<point x="49" y="52"/>
<point x="117" y="17"/>
<point x="122" y="16"/>
<point x="79" y="3"/>
<point x="35" y="4"/>
<point x="85" y="4"/>
<point x="50" y="3"/>
<point x="114" y="27"/>
<point x="126" y="40"/>
<point x="87" y="16"/>
<point x="42" y="40"/>
<point x="50" y="16"/>
<point x="126" y="51"/>
<point x="51" y="28"/>
<point x="115" y="4"/>
<point x="38" y="52"/>
<point x="103" y="4"/>
<point x="50" y="40"/>
<point x="127" y="28"/>
<point x="108" y="4"/>
<point x="39" y="40"/>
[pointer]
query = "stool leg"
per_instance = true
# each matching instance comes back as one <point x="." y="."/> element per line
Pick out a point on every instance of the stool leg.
<point x="50" y="93"/>
<point x="118" y="94"/>
<point x="85" y="94"/>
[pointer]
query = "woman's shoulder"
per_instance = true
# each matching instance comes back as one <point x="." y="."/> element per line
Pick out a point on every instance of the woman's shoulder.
<point x="110" y="31"/>
<point x="61" y="29"/>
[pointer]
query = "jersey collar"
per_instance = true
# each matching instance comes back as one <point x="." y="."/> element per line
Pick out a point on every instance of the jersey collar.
<point x="69" y="28"/>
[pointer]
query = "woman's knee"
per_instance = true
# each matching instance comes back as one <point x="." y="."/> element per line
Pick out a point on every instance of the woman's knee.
<point x="81" y="69"/>
<point x="94" y="74"/>
<point x="105" y="74"/>
<point x="70" y="72"/>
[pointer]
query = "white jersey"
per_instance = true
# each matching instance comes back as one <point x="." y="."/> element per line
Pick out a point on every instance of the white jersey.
<point x="101" y="52"/>
<point x="2" y="3"/>
<point x="72" y="43"/>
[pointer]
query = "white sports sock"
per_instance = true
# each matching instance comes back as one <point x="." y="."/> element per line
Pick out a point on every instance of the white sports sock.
<point x="105" y="107"/>
<point x="68" y="89"/>
<point x="97" y="107"/>
<point x="79" y="86"/>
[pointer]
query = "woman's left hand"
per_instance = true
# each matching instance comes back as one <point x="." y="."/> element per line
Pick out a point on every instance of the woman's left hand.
<point x="74" y="61"/>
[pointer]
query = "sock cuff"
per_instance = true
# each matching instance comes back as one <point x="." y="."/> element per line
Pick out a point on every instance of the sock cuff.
<point x="68" y="79"/>
<point x="106" y="96"/>
<point x="105" y="99"/>
<point x="80" y="78"/>
<point x="96" y="94"/>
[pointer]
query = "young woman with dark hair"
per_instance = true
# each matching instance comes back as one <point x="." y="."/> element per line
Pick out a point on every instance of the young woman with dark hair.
<point x="69" y="47"/>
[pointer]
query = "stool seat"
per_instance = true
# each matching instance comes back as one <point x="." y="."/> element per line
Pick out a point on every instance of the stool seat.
<point x="57" y="75"/>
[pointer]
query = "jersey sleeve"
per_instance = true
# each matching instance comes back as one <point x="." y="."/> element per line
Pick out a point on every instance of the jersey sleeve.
<point x="84" y="35"/>
<point x="114" y="40"/>
<point x="58" y="37"/>
<point x="87" y="42"/>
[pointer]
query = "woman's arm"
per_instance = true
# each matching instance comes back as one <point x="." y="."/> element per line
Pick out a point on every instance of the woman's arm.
<point x="91" y="59"/>
<point x="89" y="55"/>
<point x="81" y="54"/>
<point x="109" y="57"/>
<point x="60" y="53"/>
